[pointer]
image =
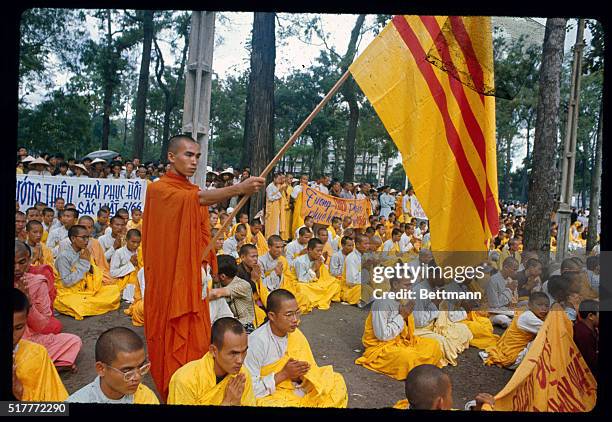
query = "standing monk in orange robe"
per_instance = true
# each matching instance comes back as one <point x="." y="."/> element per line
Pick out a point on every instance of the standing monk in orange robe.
<point x="176" y="230"/>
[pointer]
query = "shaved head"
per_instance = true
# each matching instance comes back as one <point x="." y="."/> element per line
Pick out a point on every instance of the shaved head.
<point x="223" y="325"/>
<point x="277" y="297"/>
<point x="424" y="385"/>
<point x="176" y="141"/>
<point x="116" y="340"/>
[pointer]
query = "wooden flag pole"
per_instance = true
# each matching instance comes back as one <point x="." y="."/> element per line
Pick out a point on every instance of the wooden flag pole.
<point x="280" y="154"/>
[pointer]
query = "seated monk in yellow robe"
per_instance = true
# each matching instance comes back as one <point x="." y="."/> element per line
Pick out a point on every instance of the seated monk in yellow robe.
<point x="34" y="375"/>
<point x="136" y="221"/>
<point x="80" y="291"/>
<point x="328" y="251"/>
<point x="478" y="321"/>
<point x="272" y="265"/>
<point x="391" y="347"/>
<point x="218" y="378"/>
<point x="125" y="263"/>
<point x="243" y="219"/>
<point x="257" y="238"/>
<point x="438" y="318"/>
<point x="121" y="364"/>
<point x="41" y="254"/>
<point x="514" y="343"/>
<point x="96" y="249"/>
<point x="351" y="281"/>
<point x="281" y="364"/>
<point x="313" y="279"/>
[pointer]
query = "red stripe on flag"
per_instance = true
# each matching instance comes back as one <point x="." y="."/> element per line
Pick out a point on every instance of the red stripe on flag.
<point x="439" y="96"/>
<point x="474" y="66"/>
<point x="471" y="123"/>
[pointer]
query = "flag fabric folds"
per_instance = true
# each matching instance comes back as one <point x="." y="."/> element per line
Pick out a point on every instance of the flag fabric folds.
<point x="428" y="78"/>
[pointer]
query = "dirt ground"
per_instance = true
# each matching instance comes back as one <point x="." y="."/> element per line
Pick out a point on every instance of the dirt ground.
<point x="335" y="338"/>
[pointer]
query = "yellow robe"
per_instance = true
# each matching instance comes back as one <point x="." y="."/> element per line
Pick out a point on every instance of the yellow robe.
<point x="97" y="253"/>
<point x="249" y="234"/>
<point x="297" y="220"/>
<point x="288" y="212"/>
<point x="195" y="384"/>
<point x="260" y="242"/>
<point x="44" y="237"/>
<point x="144" y="395"/>
<point x="397" y="357"/>
<point x="39" y="378"/>
<point x="315" y="294"/>
<point x="47" y="257"/>
<point x="508" y="347"/>
<point x="273" y="223"/>
<point x="350" y="294"/>
<point x="284" y="228"/>
<point x="454" y="337"/>
<point x="325" y="387"/>
<point x="131" y="225"/>
<point x="482" y="330"/>
<point x="136" y="309"/>
<point x="87" y="297"/>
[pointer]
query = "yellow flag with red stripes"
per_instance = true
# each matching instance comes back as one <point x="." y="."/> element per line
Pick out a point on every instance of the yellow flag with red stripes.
<point x="430" y="80"/>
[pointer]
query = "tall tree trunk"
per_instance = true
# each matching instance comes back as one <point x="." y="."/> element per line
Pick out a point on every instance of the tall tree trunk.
<point x="595" y="186"/>
<point x="526" y="166"/>
<point x="143" y="84"/>
<point x="542" y="183"/>
<point x="258" y="143"/>
<point x="349" y="92"/>
<point x="508" y="169"/>
<point x="108" y="82"/>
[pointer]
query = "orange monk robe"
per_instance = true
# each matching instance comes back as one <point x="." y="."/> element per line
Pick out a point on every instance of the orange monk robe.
<point x="176" y="229"/>
<point x="97" y="253"/>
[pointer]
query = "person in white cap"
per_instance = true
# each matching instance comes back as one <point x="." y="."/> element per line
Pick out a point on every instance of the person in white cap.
<point x="40" y="167"/>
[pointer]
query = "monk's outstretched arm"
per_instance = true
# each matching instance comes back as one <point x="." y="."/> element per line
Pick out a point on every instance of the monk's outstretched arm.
<point x="247" y="187"/>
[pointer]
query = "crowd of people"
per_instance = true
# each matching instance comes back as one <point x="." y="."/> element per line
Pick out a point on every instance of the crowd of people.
<point x="269" y="272"/>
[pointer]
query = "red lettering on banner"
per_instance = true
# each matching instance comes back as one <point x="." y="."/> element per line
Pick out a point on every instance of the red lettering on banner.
<point x="543" y="367"/>
<point x="577" y="375"/>
<point x="523" y="395"/>
<point x="566" y="394"/>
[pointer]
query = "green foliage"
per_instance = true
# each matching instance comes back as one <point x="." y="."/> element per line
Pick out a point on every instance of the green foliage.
<point x="62" y="123"/>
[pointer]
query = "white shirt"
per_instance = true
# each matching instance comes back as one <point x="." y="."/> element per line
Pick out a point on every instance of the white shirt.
<point x="321" y="188"/>
<point x="272" y="193"/>
<point x="107" y="242"/>
<point x="296" y="191"/>
<point x="388" y="245"/>
<point x="386" y="319"/>
<point x="406" y="204"/>
<point x="292" y="250"/>
<point x="264" y="349"/>
<point x="353" y="267"/>
<point x="230" y="246"/>
<point x="425" y="311"/>
<point x="120" y="264"/>
<point x="529" y="322"/>
<point x="128" y="291"/>
<point x="92" y="393"/>
<point x="272" y="280"/>
<point x="66" y="261"/>
<point x="55" y="237"/>
<point x="303" y="269"/>
<point x="405" y="244"/>
<point x="336" y="263"/>
<point x="498" y="294"/>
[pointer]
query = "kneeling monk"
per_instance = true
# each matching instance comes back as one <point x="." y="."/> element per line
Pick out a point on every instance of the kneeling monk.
<point x="219" y="378"/>
<point x="391" y="346"/>
<point x="80" y="291"/>
<point x="281" y="363"/>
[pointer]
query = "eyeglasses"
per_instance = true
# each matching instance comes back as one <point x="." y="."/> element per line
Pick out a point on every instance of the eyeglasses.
<point x="131" y="374"/>
<point x="291" y="315"/>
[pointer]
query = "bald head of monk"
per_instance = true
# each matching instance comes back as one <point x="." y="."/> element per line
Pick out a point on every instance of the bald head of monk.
<point x="121" y="362"/>
<point x="228" y="345"/>
<point x="429" y="388"/>
<point x="283" y="312"/>
<point x="183" y="155"/>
